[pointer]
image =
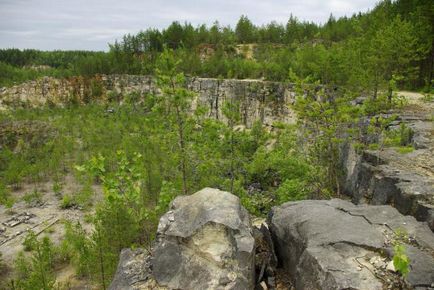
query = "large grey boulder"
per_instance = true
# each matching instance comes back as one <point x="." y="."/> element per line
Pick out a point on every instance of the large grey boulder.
<point x="338" y="245"/>
<point x="205" y="242"/>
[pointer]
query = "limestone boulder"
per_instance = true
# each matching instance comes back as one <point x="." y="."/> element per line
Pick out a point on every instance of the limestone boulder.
<point x="205" y="241"/>
<point x="335" y="244"/>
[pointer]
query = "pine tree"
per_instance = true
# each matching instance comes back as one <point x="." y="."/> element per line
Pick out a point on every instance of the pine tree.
<point x="176" y="101"/>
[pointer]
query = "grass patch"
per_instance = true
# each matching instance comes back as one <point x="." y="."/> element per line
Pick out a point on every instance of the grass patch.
<point x="404" y="149"/>
<point x="33" y="198"/>
<point x="428" y="98"/>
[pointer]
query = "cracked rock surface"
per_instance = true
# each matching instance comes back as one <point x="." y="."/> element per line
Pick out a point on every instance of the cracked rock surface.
<point x="403" y="180"/>
<point x="335" y="244"/>
<point x="263" y="101"/>
<point x="205" y="242"/>
<point x="133" y="272"/>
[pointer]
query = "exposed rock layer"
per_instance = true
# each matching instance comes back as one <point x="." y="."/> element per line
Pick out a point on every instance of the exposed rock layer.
<point x="403" y="180"/>
<point x="259" y="100"/>
<point x="337" y="245"/>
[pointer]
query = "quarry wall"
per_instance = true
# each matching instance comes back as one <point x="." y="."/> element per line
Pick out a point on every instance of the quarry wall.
<point x="259" y="100"/>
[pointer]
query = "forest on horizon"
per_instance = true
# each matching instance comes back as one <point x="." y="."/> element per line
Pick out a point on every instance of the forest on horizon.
<point x="364" y="52"/>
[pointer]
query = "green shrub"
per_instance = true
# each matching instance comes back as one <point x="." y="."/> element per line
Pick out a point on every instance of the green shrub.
<point x="291" y="190"/>
<point x="29" y="241"/>
<point x="428" y="98"/>
<point x="68" y="201"/>
<point x="36" y="271"/>
<point x="96" y="89"/>
<point x="401" y="262"/>
<point x="258" y="204"/>
<point x="5" y="197"/>
<point x="57" y="187"/>
<point x="32" y="198"/>
<point x="405" y="149"/>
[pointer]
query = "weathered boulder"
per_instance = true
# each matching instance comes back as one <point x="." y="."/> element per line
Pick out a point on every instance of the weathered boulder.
<point x="338" y="245"/>
<point x="205" y="242"/>
<point x="134" y="272"/>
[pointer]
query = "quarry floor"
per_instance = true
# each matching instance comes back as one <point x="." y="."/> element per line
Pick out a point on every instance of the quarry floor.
<point x="44" y="219"/>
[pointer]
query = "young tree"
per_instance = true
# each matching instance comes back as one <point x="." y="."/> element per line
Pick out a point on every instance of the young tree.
<point x="326" y="118"/>
<point x="245" y="30"/>
<point x="392" y="52"/>
<point x="37" y="271"/>
<point x="117" y="219"/>
<point x="231" y="110"/>
<point x="176" y="103"/>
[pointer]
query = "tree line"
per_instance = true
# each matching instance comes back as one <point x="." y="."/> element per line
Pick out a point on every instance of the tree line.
<point x="364" y="52"/>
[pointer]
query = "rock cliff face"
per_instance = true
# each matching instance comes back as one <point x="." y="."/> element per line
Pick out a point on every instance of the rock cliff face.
<point x="259" y="100"/>
<point x="405" y="181"/>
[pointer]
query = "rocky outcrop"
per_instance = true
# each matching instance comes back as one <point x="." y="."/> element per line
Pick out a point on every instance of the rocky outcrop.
<point x="338" y="245"/>
<point x="203" y="242"/>
<point x="259" y="100"/>
<point x="403" y="180"/>
<point x="134" y="271"/>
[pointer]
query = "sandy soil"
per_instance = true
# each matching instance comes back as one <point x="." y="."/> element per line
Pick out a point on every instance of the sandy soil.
<point x="44" y="219"/>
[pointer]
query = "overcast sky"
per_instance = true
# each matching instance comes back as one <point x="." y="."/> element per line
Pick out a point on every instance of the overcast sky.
<point x="91" y="24"/>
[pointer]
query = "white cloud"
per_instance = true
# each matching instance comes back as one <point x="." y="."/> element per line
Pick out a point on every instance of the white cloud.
<point x="90" y="24"/>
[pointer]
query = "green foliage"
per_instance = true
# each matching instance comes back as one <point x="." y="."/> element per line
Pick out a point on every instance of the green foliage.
<point x="327" y="120"/>
<point x="167" y="194"/>
<point x="292" y="190"/>
<point x="258" y="204"/>
<point x="57" y="187"/>
<point x="405" y="149"/>
<point x="401" y="262"/>
<point x="400" y="138"/>
<point x="245" y="30"/>
<point x="5" y="197"/>
<point x="117" y="219"/>
<point x="176" y="102"/>
<point x="96" y="89"/>
<point x="365" y="52"/>
<point x="67" y="202"/>
<point x="36" y="271"/>
<point x="77" y="243"/>
<point x="428" y="98"/>
<point x="30" y="241"/>
<point x="34" y="197"/>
